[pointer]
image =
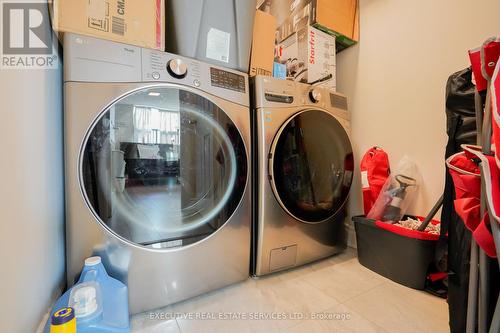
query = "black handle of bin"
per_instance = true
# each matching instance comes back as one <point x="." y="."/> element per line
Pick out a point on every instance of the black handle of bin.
<point x="431" y="214"/>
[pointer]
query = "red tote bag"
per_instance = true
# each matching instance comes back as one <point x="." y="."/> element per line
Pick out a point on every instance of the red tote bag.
<point x="374" y="172"/>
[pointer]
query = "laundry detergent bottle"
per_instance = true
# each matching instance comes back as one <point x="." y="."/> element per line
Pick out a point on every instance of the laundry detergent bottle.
<point x="100" y="302"/>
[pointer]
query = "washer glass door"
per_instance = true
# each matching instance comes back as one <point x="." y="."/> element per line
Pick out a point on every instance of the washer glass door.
<point x="311" y="166"/>
<point x="163" y="167"/>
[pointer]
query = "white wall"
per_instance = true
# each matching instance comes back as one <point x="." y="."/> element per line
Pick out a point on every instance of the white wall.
<point x="395" y="80"/>
<point x="31" y="196"/>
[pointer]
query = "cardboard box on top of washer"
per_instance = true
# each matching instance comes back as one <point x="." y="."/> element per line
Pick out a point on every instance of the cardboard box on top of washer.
<point x="135" y="22"/>
<point x="263" y="44"/>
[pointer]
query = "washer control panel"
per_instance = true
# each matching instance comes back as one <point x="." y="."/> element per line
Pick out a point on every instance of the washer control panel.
<point x="160" y="66"/>
<point x="228" y="80"/>
<point x="165" y="67"/>
<point x="89" y="59"/>
<point x="177" y="68"/>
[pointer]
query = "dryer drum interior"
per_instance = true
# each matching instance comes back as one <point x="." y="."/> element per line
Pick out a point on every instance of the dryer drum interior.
<point x="311" y="166"/>
<point x="163" y="167"/>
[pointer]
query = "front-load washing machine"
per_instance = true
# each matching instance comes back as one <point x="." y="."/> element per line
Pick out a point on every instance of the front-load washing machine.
<point x="157" y="170"/>
<point x="303" y="173"/>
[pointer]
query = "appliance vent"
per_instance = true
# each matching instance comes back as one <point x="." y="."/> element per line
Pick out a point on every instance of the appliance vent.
<point x="338" y="101"/>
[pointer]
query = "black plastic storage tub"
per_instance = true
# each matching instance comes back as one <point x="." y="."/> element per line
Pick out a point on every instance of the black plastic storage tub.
<point x="399" y="254"/>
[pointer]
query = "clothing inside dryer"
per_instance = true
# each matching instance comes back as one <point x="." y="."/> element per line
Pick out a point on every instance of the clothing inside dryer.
<point x="163" y="167"/>
<point x="313" y="166"/>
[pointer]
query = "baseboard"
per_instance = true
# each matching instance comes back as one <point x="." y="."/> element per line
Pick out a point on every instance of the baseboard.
<point x="46" y="316"/>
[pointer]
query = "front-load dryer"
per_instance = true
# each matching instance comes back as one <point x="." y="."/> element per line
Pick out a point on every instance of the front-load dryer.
<point x="303" y="173"/>
<point x="157" y="170"/>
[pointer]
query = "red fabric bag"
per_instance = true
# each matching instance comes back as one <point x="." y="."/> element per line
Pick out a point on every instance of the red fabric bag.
<point x="483" y="61"/>
<point x="489" y="169"/>
<point x="489" y="57"/>
<point x="495" y="110"/>
<point x="467" y="180"/>
<point x="374" y="172"/>
<point x="475" y="60"/>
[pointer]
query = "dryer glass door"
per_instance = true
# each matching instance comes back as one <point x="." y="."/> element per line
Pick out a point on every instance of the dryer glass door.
<point x="163" y="167"/>
<point x="311" y="166"/>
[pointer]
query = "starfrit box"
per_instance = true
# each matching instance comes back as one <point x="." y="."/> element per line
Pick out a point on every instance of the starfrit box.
<point x="136" y="22"/>
<point x="338" y="18"/>
<point x="310" y="56"/>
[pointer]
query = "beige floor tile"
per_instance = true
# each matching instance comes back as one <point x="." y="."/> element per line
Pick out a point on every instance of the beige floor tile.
<point x="264" y="297"/>
<point x="242" y="299"/>
<point x="344" y="256"/>
<point x="226" y="324"/>
<point x="399" y="309"/>
<point x="239" y="326"/>
<point x="309" y="326"/>
<point x="292" y="297"/>
<point x="297" y="271"/>
<point x="296" y="295"/>
<point x="339" y="318"/>
<point x="344" y="280"/>
<point x="354" y="321"/>
<point x="216" y="326"/>
<point x="337" y="285"/>
<point x="143" y="323"/>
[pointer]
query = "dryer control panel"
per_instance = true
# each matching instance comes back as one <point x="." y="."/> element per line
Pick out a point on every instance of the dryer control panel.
<point x="271" y="93"/>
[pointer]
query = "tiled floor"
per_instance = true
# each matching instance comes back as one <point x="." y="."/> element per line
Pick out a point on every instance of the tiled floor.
<point x="352" y="297"/>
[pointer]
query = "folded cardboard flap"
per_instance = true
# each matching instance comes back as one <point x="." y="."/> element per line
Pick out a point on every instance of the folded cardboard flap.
<point x="262" y="56"/>
<point x="355" y="35"/>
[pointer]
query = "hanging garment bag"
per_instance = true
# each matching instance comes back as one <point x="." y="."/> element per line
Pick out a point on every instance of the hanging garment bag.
<point x="461" y="129"/>
<point x="484" y="275"/>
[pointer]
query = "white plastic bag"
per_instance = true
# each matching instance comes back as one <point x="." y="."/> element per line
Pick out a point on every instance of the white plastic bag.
<point x="397" y="193"/>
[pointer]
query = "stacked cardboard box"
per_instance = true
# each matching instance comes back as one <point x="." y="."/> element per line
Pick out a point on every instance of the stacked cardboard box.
<point x="310" y="57"/>
<point x="309" y="34"/>
<point x="135" y="22"/>
<point x="263" y="43"/>
<point x="338" y="18"/>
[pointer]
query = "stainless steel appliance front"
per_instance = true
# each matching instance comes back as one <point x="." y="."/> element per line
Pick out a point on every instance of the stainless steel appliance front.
<point x="302" y="174"/>
<point x="157" y="170"/>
